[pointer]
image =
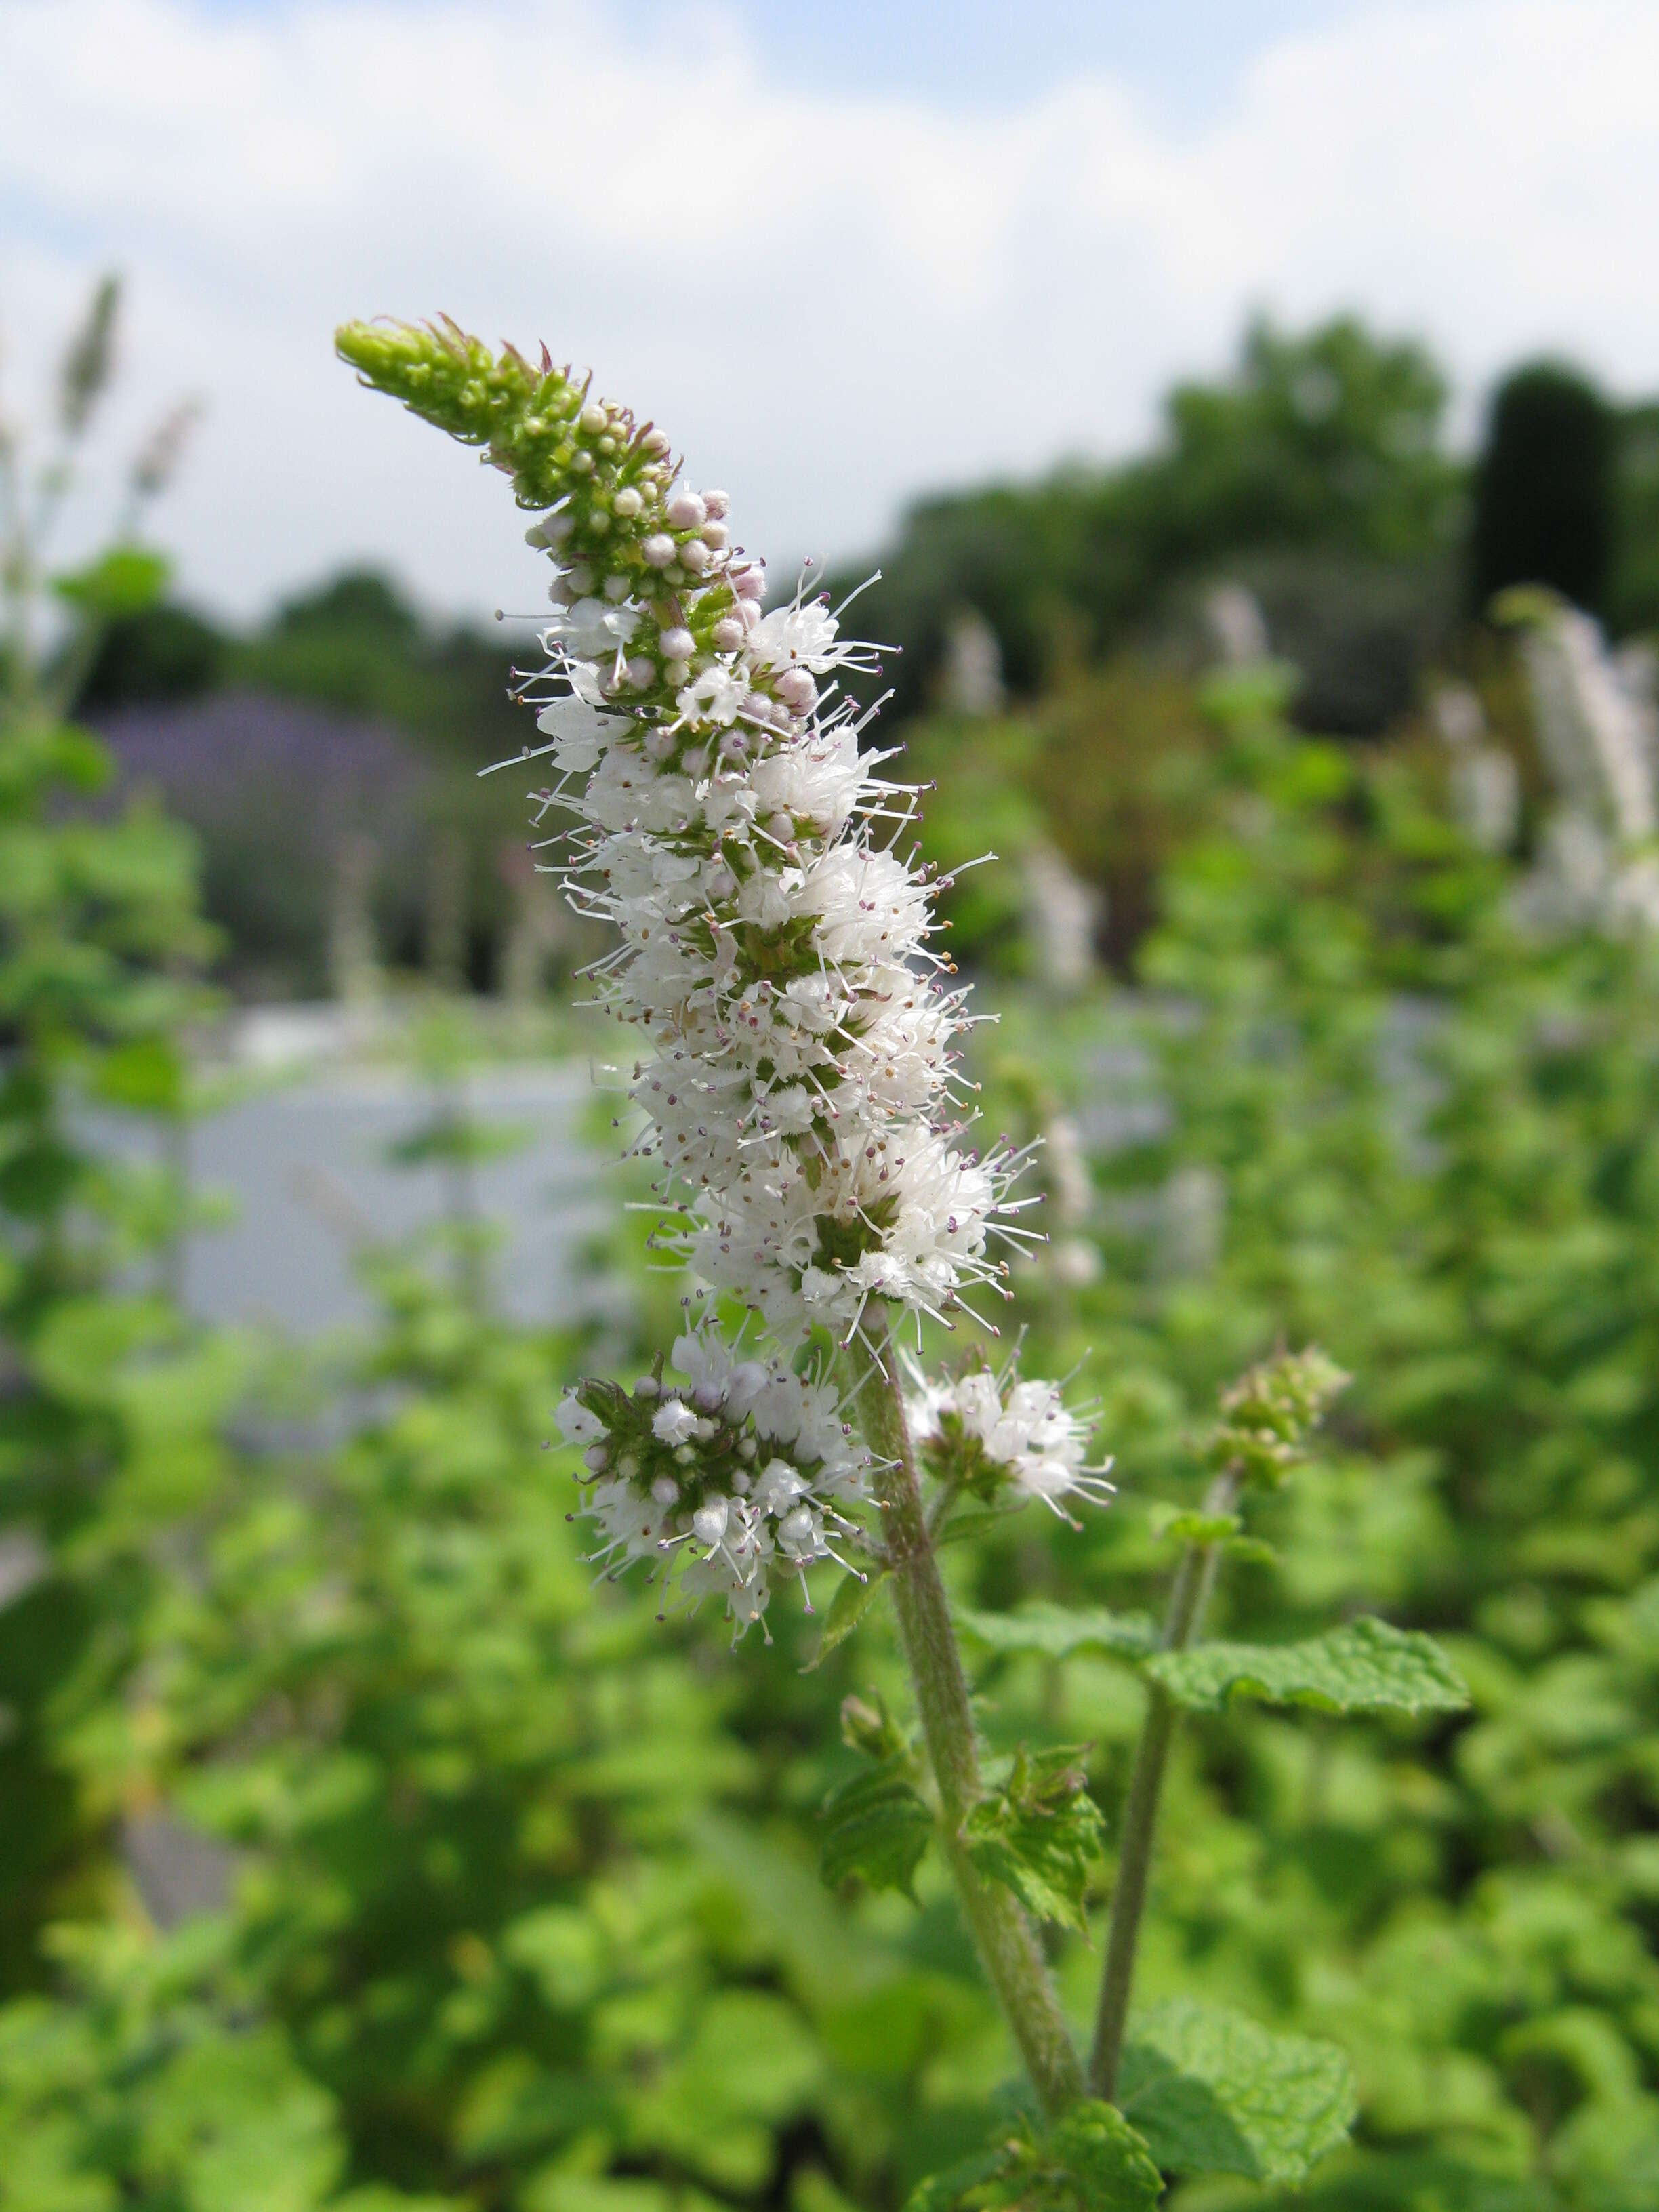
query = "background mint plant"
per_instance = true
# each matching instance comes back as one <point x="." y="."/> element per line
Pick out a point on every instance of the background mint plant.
<point x="109" y="1398"/>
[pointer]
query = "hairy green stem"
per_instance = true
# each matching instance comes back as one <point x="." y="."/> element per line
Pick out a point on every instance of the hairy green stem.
<point x="1007" y="1943"/>
<point x="1189" y="1594"/>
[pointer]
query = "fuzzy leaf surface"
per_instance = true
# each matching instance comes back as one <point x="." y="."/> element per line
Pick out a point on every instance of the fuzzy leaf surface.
<point x="1055" y="1631"/>
<point x="1214" y="2091"/>
<point x="854" y="1597"/>
<point x="877" y="1829"/>
<point x="1091" y="2160"/>
<point x="1366" y="1667"/>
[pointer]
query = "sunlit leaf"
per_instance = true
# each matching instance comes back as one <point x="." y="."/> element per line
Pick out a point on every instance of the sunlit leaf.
<point x="121" y="582"/>
<point x="854" y="1597"/>
<point x="1056" y="1631"/>
<point x="1212" y="2092"/>
<point x="1364" y="1668"/>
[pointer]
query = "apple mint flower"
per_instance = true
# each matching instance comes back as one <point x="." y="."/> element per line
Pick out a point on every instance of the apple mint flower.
<point x="792" y="1022"/>
<point x="793" y="1026"/>
<point x="740" y="1474"/>
<point x="999" y="1435"/>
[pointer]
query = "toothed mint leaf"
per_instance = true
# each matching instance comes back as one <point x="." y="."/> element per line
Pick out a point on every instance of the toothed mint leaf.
<point x="1214" y="2091"/>
<point x="1364" y="1668"/>
<point x="877" y="1829"/>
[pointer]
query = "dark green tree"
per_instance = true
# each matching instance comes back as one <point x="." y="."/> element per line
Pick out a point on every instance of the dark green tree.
<point x="1544" y="490"/>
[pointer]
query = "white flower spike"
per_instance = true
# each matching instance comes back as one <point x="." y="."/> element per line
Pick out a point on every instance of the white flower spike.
<point x="791" y="1018"/>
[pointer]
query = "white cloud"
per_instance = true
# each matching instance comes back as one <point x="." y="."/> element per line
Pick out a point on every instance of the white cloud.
<point x="832" y="302"/>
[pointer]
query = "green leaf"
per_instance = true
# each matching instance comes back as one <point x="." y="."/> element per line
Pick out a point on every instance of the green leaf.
<point x="961" y="1527"/>
<point x="853" y="1599"/>
<point x="1212" y="2092"/>
<point x="1195" y="1528"/>
<point x="871" y="1729"/>
<point x="1038" y="1833"/>
<point x="878" y="1829"/>
<point x="1365" y="1668"/>
<point x="1092" y="2160"/>
<point x="123" y="581"/>
<point x="1056" y="1630"/>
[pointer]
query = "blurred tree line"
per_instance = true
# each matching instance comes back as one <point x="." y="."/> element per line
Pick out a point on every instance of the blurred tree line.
<point x="1315" y="474"/>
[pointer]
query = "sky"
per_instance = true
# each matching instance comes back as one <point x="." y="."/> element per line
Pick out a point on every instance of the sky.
<point x="845" y="253"/>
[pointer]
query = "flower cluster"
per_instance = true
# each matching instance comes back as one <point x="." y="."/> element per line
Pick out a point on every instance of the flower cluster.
<point x="1268" y="1415"/>
<point x="997" y="1435"/>
<point x="741" y="1474"/>
<point x="792" y="1022"/>
<point x="794" y="1030"/>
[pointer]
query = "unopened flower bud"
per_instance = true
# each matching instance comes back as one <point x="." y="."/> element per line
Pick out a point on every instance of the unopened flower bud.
<point x="719" y="505"/>
<point x="658" y="551"/>
<point x="679" y="644"/>
<point x="685" y="511"/>
<point x="748" y="583"/>
<point x="595" y="418"/>
<point x="713" y="536"/>
<point x="627" y="503"/>
<point x="729" y="633"/>
<point x="695" y="556"/>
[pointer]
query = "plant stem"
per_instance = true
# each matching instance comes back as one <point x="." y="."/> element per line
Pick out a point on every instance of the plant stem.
<point x="1189" y="1594"/>
<point x="1007" y="1943"/>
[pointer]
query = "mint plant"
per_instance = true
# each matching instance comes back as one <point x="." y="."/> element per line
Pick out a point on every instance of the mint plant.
<point x="801" y="1105"/>
<point x="110" y="1402"/>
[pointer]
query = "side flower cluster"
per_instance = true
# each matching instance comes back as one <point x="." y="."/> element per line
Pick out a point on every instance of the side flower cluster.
<point x="1000" y="1436"/>
<point x="743" y="1473"/>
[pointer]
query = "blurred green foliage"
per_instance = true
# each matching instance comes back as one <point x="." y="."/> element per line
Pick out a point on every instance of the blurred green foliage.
<point x="520" y="1905"/>
<point x="354" y="1852"/>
